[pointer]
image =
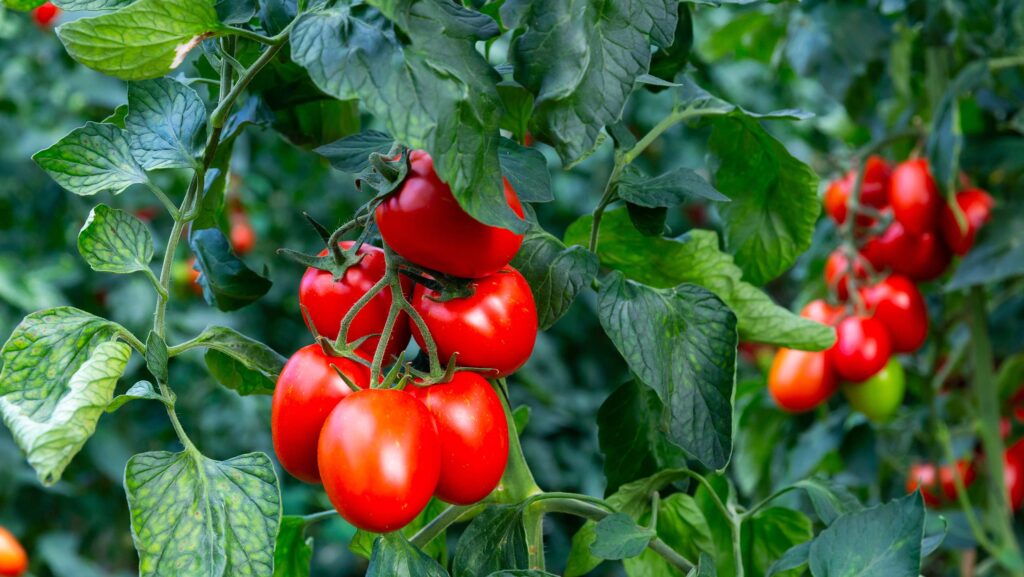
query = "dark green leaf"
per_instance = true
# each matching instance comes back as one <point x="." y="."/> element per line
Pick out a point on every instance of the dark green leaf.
<point x="235" y="11"/>
<point x="998" y="254"/>
<point x="97" y="5"/>
<point x="142" y="390"/>
<point x="648" y="221"/>
<point x="936" y="528"/>
<point x="293" y="551"/>
<point x="239" y="362"/>
<point x="277" y="14"/>
<point x="522" y="573"/>
<point x="694" y="99"/>
<point x="521" y="418"/>
<point x="156" y="356"/>
<point x="683" y="527"/>
<point x="516" y="108"/>
<point x="526" y="170"/>
<point x="669" y="189"/>
<point x="394" y="556"/>
<point x="165" y="120"/>
<point x="556" y="273"/>
<point x="668" y="61"/>
<point x="362" y="542"/>
<point x="227" y="283"/>
<point x="112" y="240"/>
<point x="617" y="536"/>
<point x="352" y="153"/>
<point x="830" y="501"/>
<point x="254" y="111"/>
<point x="495" y="540"/>
<point x="769" y="534"/>
<point x="92" y="159"/>
<point x="705" y="567"/>
<point x="794" y="558"/>
<point x="117" y="116"/>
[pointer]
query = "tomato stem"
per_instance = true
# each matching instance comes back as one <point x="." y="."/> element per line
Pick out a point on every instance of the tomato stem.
<point x="438" y="524"/>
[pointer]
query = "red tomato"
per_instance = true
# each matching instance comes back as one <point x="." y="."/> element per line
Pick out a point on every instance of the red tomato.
<point x="327" y="301"/>
<point x="948" y="484"/>
<point x="424" y="223"/>
<point x="976" y="204"/>
<point x="862" y="348"/>
<point x="898" y="304"/>
<point x="836" y="272"/>
<point x="921" y="258"/>
<point x="380" y="458"/>
<point x="1013" y="474"/>
<point x="876" y="252"/>
<point x="874" y="191"/>
<point x="925" y="477"/>
<point x="243" y="238"/>
<point x="822" y="312"/>
<point x="13" y="560"/>
<point x="1017" y="404"/>
<point x="147" y="213"/>
<point x="307" y="391"/>
<point x="474" y="436"/>
<point x="801" y="380"/>
<point x="494" y="328"/>
<point x="914" y="197"/>
<point x="45" y="14"/>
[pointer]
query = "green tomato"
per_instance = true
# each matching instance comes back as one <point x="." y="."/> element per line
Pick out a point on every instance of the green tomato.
<point x="879" y="397"/>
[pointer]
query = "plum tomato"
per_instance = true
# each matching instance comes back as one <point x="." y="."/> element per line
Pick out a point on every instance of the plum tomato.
<point x="914" y="197"/>
<point x="1013" y="474"/>
<point x="874" y="191"/>
<point x="976" y="204"/>
<point x="879" y="397"/>
<point x="921" y="258"/>
<point x="836" y="271"/>
<point x="862" y="348"/>
<point x="898" y="304"/>
<point x="800" y="380"/>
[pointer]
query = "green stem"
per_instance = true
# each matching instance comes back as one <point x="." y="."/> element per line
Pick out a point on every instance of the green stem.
<point x="153" y="280"/>
<point x="963" y="499"/>
<point x="254" y="36"/>
<point x="517" y="484"/>
<point x="753" y="510"/>
<point x="1005" y="62"/>
<point x="163" y="198"/>
<point x="606" y="198"/>
<point x="133" y="341"/>
<point x="314" y="517"/>
<point x="159" y="324"/>
<point x="438" y="524"/>
<point x="533" y="521"/>
<point x="382" y="344"/>
<point x="219" y="116"/>
<point x="398" y="296"/>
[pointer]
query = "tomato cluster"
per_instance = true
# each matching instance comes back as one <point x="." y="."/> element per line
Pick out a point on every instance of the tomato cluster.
<point x="382" y="451"/>
<point x="904" y="233"/>
<point x="938" y="486"/>
<point x="13" y="560"/>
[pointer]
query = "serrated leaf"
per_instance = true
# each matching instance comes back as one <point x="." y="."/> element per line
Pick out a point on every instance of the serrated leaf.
<point x="682" y="342"/>
<point x="882" y="540"/>
<point x="142" y="390"/>
<point x="526" y="170"/>
<point x="293" y="550"/>
<point x="146" y="39"/>
<point x="60" y="367"/>
<point x="352" y="153"/>
<point x="495" y="540"/>
<point x="239" y="362"/>
<point x="394" y="556"/>
<point x="668" y="61"/>
<point x="165" y="119"/>
<point x="617" y="536"/>
<point x="669" y="189"/>
<point x="696" y="258"/>
<point x="581" y="61"/>
<point x="556" y="273"/>
<point x="91" y="159"/>
<point x="112" y="240"/>
<point x="192" y="515"/>
<point x="227" y="283"/>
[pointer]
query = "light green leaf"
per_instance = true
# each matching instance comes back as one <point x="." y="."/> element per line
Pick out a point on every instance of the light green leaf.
<point x="112" y="240"/>
<point x="165" y="117"/>
<point x="683" y="527"/>
<point x="142" y="390"/>
<point x="294" y="550"/>
<point x="92" y="159"/>
<point x="239" y="362"/>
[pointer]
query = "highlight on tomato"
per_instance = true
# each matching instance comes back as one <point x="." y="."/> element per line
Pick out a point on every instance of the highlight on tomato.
<point x="898" y="304"/>
<point x="914" y="197"/>
<point x="801" y="380"/>
<point x="862" y="348"/>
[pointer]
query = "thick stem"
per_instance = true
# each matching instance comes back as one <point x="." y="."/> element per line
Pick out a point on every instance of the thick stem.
<point x="220" y="114"/>
<point x="438" y="524"/>
<point x="517" y="484"/>
<point x="533" y="521"/>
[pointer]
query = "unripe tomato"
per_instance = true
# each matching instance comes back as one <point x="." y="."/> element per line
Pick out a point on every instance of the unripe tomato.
<point x="474" y="436"/>
<point x="380" y="458"/>
<point x="898" y="304"/>
<point x="836" y="271"/>
<point x="914" y="197"/>
<point x="879" y="397"/>
<point x="424" y="223"/>
<point x="924" y="476"/>
<point x="874" y="191"/>
<point x="327" y="301"/>
<point x="820" y="311"/>
<point x="45" y="14"/>
<point x="800" y="380"/>
<point x="493" y="328"/>
<point x="862" y="348"/>
<point x="307" y="390"/>
<point x="13" y="560"/>
<point x="976" y="204"/>
<point x="1013" y="474"/>
<point x="921" y="258"/>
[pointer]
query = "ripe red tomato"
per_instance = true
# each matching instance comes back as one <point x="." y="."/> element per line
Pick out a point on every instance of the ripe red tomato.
<point x="494" y="328"/>
<point x="836" y="272"/>
<point x="243" y="238"/>
<point x="1013" y="474"/>
<point x="424" y="223"/>
<point x="474" y="436"/>
<point x="921" y="258"/>
<point x="801" y="380"/>
<point x="380" y="458"/>
<point x="327" y="301"/>
<point x="820" y="311"/>
<point x="947" y="482"/>
<point x="914" y="197"/>
<point x="925" y="477"/>
<point x="874" y="191"/>
<point x="13" y="560"/>
<point x="307" y="391"/>
<point x="862" y="348"/>
<point x="1017" y="404"/>
<point x="45" y="14"/>
<point x="976" y="204"/>
<point x="898" y="304"/>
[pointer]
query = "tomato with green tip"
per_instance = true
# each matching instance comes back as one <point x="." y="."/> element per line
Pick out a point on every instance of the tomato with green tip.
<point x="879" y="397"/>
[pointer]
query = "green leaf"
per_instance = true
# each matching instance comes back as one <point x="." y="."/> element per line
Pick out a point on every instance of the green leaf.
<point x="795" y="557"/>
<point x="682" y="342"/>
<point x="769" y="534"/>
<point x="556" y="274"/>
<point x="394" y="556"/>
<point x="581" y="62"/>
<point x="699" y="102"/>
<point x="142" y="390"/>
<point x="683" y="527"/>
<point x="91" y="5"/>
<point x="362" y="542"/>
<point x="156" y="356"/>
<point x="705" y="567"/>
<point x="632" y="427"/>
<point x="648" y="221"/>
<point x="718" y="524"/>
<point x="60" y="367"/>
<point x="668" y="61"/>
<point x="431" y="89"/>
<point x="883" y="540"/>
<point x="696" y="258"/>
<point x="146" y="39"/>
<point x="235" y="11"/>
<point x="352" y="153"/>
<point x="522" y="573"/>
<point x="830" y="501"/>
<point x="91" y="159"/>
<point x="239" y="362"/>
<point x="293" y="551"/>
<point x="775" y="202"/>
<point x="495" y="540"/>
<point x="517" y="107"/>
<point x="112" y="240"/>
<point x="117" y="116"/>
<point x="521" y="418"/>
<point x="165" y="119"/>
<point x="192" y="515"/>
<point x="617" y="536"/>
<point x="227" y="283"/>
<point x="21" y="5"/>
<point x="672" y="188"/>
<point x="998" y="253"/>
<point x="526" y="170"/>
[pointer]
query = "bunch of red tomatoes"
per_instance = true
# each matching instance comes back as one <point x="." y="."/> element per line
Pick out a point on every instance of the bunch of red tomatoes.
<point x="904" y="232"/>
<point x="382" y="452"/>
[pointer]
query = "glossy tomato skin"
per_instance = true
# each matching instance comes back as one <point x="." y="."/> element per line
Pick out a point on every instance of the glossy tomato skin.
<point x="801" y="380"/>
<point x="424" y="223"/>
<point x="976" y="204"/>
<point x="925" y="476"/>
<point x="327" y="301"/>
<point x="862" y="348"/>
<point x="380" y="458"/>
<point x="820" y="311"/>
<point x="494" y="328"/>
<point x="921" y="258"/>
<point x="879" y="397"/>
<point x="914" y="197"/>
<point x="474" y="436"/>
<point x="836" y="272"/>
<point x="13" y="559"/>
<point x="1013" y="474"/>
<point x="307" y="390"/>
<point x="874" y="191"/>
<point x="45" y="14"/>
<point x="899" y="305"/>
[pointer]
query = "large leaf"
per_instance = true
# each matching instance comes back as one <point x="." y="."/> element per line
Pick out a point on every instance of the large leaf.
<point x="227" y="283"/>
<point x="112" y="240"/>
<point x="195" y="516"/>
<point x="239" y="362"/>
<point x="92" y="159"/>
<point x="769" y="534"/>
<point x="60" y="367"/>
<point x="431" y="89"/>
<point x="164" y="121"/>
<point x="352" y="153"/>
<point x="682" y="342"/>
<point x="617" y="536"/>
<point x="696" y="258"/>
<point x="494" y="540"/>
<point x="293" y="551"/>
<point x="556" y="273"/>
<point x="581" y="61"/>
<point x="394" y="556"/>
<point x="526" y="170"/>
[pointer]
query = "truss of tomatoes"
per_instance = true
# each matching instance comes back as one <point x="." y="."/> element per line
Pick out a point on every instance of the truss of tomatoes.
<point x="889" y="315"/>
<point x="382" y="453"/>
